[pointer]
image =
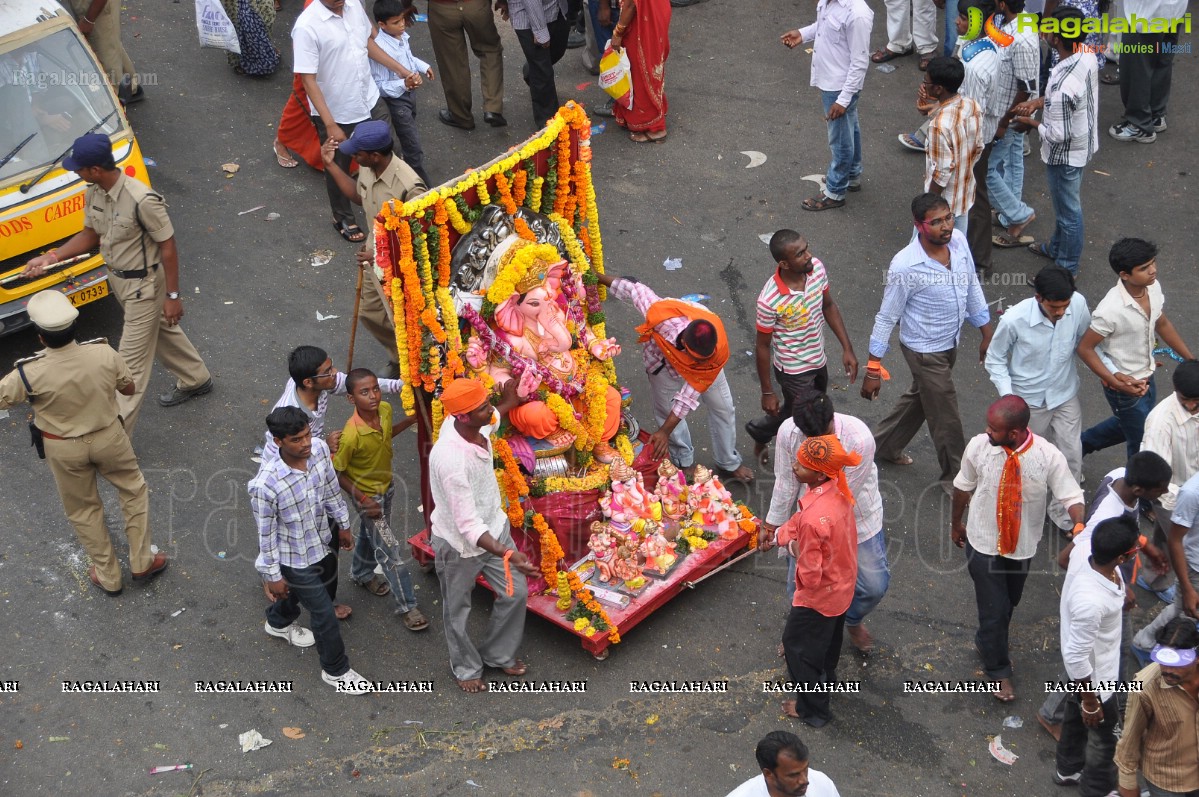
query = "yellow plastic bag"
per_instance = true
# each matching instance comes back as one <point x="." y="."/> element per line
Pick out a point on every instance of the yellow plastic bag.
<point x="614" y="76"/>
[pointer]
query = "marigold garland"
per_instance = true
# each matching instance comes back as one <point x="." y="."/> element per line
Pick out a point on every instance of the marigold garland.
<point x="580" y="484"/>
<point x="481" y="190"/>
<point x="624" y="447"/>
<point x="563" y="169"/>
<point x="438" y="418"/>
<point x="504" y="188"/>
<point x="413" y="302"/>
<point x="461" y="225"/>
<point x="524" y="230"/>
<point x="510" y="276"/>
<point x="565" y="413"/>
<point x="551" y="549"/>
<point x="597" y="402"/>
<point x="520" y="180"/>
<point x="407" y="398"/>
<point x="534" y="202"/>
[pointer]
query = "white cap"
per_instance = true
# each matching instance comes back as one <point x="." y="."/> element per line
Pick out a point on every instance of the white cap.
<point x="51" y="311"/>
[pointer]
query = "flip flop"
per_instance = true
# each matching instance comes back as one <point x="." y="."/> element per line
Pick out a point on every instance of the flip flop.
<point x="1110" y="78"/>
<point x="1039" y="249"/>
<point x="350" y="231"/>
<point x="819" y="203"/>
<point x="285" y="160"/>
<point x="1004" y="241"/>
<point x="925" y="60"/>
<point x="415" y="621"/>
<point x="886" y="54"/>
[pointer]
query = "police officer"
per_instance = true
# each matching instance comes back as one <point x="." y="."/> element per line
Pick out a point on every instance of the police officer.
<point x="72" y="388"/>
<point x="130" y="223"/>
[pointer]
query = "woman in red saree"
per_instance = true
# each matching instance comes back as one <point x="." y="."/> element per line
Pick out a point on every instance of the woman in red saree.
<point x="296" y="132"/>
<point x="644" y="28"/>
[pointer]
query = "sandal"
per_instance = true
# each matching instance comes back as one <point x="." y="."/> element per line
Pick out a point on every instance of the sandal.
<point x="887" y="54"/>
<point x="350" y="231"/>
<point x="818" y="203"/>
<point x="1004" y="240"/>
<point x="1040" y="249"/>
<point x="645" y="138"/>
<point x="415" y="621"/>
<point x="518" y="669"/>
<point x="376" y="586"/>
<point x="284" y="158"/>
<point x="925" y="60"/>
<point x="1110" y="78"/>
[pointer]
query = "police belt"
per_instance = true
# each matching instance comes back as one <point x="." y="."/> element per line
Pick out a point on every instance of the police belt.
<point x="49" y="436"/>
<point x="133" y="275"/>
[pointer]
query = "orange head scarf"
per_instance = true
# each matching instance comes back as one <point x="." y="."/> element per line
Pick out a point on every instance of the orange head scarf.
<point x="825" y="454"/>
<point x="462" y="396"/>
<point x="699" y="372"/>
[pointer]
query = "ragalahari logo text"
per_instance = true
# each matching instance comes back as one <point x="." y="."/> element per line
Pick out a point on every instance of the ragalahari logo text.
<point x="978" y="26"/>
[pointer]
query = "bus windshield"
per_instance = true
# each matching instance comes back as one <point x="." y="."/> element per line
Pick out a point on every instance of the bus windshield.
<point x="51" y="92"/>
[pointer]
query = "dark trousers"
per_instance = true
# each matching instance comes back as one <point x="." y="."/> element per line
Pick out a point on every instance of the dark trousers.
<point x="339" y="203"/>
<point x="932" y="398"/>
<point x="1145" y="78"/>
<point x="796" y="389"/>
<point x="403" y="121"/>
<point x="998" y="585"/>
<point x="1127" y="424"/>
<point x="1089" y="750"/>
<point x="812" y="644"/>
<point x="313" y="588"/>
<point x="539" y="67"/>
<point x="978" y="226"/>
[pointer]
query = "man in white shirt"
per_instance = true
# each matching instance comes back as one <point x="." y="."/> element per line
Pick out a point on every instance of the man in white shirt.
<point x="810" y="420"/>
<point x="1006" y="478"/>
<point x="1092" y="611"/>
<point x="783" y="758"/>
<point x="469" y="532"/>
<point x="333" y="46"/>
<point x="1127" y="323"/>
<point x="840" y="39"/>
<point x="1032" y="355"/>
<point x="1183" y="545"/>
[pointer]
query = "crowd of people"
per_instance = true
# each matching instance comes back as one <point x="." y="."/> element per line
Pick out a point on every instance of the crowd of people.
<point x="353" y="79"/>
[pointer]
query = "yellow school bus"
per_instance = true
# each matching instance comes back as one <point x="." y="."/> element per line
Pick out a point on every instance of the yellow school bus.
<point x="52" y="90"/>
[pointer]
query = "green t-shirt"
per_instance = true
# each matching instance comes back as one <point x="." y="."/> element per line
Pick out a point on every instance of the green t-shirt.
<point x="364" y="455"/>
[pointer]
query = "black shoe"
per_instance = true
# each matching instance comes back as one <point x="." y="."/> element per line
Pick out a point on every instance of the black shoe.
<point x="576" y="39"/>
<point x="178" y="395"/>
<point x="495" y="119"/>
<point x="604" y="110"/>
<point x="447" y="118"/>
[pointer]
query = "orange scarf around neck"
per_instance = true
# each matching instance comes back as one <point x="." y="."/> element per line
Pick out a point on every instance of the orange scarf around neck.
<point x="1010" y="504"/>
<point x="699" y="372"/>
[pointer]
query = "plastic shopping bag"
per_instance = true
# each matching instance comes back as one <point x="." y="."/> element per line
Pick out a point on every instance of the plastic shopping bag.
<point x="215" y="27"/>
<point x="614" y="76"/>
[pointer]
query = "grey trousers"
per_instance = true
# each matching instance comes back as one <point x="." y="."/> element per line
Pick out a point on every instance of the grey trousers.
<point x="1061" y="426"/>
<point x="506" y="627"/>
<point x="932" y="398"/>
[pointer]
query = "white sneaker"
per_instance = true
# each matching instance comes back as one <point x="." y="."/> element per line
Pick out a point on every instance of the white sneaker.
<point x="349" y="682"/>
<point x="294" y="634"/>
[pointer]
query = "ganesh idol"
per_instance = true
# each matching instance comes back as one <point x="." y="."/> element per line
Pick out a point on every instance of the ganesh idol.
<point x="533" y="321"/>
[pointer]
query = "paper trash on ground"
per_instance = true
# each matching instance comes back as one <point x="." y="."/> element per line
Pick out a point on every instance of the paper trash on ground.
<point x="252" y="740"/>
<point x="1001" y="753"/>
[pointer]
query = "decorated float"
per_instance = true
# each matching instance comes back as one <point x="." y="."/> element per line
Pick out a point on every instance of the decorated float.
<point x="493" y="276"/>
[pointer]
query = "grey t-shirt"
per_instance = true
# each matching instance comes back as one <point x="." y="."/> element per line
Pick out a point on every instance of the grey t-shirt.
<point x="1185" y="512"/>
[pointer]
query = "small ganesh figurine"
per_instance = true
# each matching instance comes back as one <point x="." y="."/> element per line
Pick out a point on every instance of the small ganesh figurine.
<point x="671" y="490"/>
<point x="627" y="499"/>
<point x="602" y="544"/>
<point x="624" y="564"/>
<point x="658" y="552"/>
<point x="713" y="504"/>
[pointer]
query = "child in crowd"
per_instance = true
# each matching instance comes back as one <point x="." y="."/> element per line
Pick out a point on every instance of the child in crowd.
<point x="363" y="465"/>
<point x="394" y="17"/>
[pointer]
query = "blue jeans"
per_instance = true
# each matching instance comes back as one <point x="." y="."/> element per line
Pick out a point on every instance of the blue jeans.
<point x="951" y="26"/>
<point x="845" y="141"/>
<point x="1065" y="189"/>
<point x="874" y="575"/>
<point x="1155" y="791"/>
<point x="1127" y="424"/>
<point x="313" y="588"/>
<point x="602" y="34"/>
<point x="378" y="545"/>
<point x="1005" y="179"/>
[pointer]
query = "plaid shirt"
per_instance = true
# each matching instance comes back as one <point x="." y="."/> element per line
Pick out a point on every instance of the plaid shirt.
<point x="292" y="509"/>
<point x="955" y="142"/>
<point x="1070" y="124"/>
<point x="1019" y="65"/>
<point x="640" y="296"/>
<point x="981" y="59"/>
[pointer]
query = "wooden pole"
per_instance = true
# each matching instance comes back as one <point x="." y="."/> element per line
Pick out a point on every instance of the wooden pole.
<point x="354" y="321"/>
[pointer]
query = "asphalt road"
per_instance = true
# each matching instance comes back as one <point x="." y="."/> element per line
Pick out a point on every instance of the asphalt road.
<point x="252" y="294"/>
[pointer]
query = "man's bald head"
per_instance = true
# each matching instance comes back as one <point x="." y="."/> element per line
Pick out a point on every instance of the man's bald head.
<point x="1011" y="412"/>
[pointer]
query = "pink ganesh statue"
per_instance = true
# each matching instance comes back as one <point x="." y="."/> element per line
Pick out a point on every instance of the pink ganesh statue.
<point x="714" y="505"/>
<point x="627" y="499"/>
<point x="533" y="321"/>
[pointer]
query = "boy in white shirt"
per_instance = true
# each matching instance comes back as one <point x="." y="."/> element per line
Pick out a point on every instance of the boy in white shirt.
<point x="394" y="17"/>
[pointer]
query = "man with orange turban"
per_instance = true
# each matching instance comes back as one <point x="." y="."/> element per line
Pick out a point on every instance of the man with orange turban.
<point x="1007" y="476"/>
<point x="470" y="535"/>
<point x="823" y="538"/>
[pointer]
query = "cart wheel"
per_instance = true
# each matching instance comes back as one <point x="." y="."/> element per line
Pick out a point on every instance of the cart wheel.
<point x="602" y="655"/>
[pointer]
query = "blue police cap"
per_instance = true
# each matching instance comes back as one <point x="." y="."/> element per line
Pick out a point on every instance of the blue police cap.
<point x="372" y="136"/>
<point x="94" y="149"/>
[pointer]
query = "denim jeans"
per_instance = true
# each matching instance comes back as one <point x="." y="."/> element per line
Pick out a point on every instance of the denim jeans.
<point x="1005" y="179"/>
<point x="403" y="121"/>
<point x="602" y="34"/>
<point x="1089" y="750"/>
<point x="1065" y="189"/>
<point x="1156" y="791"/>
<point x="313" y="588"/>
<point x="951" y="27"/>
<point x="998" y="586"/>
<point x="874" y="575"/>
<point x="845" y="142"/>
<point x="378" y="545"/>
<point x="1127" y="424"/>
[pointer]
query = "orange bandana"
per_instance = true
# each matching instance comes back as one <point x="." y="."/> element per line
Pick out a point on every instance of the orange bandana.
<point x="462" y="396"/>
<point x="1010" y="504"/>
<point x="699" y="372"/>
<point x="825" y="454"/>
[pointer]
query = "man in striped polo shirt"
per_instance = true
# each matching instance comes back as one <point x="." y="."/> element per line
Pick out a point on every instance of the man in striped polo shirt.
<point x="793" y="308"/>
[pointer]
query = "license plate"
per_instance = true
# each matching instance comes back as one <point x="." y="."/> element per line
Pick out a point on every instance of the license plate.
<point x="89" y="294"/>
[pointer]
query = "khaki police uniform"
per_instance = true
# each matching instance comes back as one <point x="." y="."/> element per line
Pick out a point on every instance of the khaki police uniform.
<point x="105" y="39"/>
<point x="131" y="221"/>
<point x="398" y="181"/>
<point x="73" y="394"/>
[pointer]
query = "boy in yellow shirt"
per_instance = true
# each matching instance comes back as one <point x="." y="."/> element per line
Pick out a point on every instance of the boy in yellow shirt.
<point x="363" y="465"/>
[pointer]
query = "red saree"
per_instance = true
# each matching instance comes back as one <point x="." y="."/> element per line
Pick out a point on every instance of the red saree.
<point x="296" y="130"/>
<point x="648" y="44"/>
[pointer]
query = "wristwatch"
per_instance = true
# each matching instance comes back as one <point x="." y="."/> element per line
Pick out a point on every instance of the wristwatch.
<point x="173" y="294"/>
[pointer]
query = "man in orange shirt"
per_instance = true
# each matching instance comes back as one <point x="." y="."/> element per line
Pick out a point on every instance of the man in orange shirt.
<point x="823" y="538"/>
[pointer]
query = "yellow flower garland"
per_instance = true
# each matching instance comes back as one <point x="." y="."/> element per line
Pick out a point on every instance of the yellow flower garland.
<point x="511" y="275"/>
<point x="407" y="399"/>
<point x="565" y="414"/>
<point x="461" y="225"/>
<point x="624" y="447"/>
<point x="563" y="484"/>
<point x="438" y="418"/>
<point x="597" y="402"/>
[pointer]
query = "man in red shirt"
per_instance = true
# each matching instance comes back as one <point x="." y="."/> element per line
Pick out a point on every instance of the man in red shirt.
<point x="823" y="538"/>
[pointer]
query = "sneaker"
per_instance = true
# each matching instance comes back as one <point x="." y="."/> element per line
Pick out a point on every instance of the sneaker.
<point x="178" y="395"/>
<point x="1127" y="132"/>
<point x="576" y="39"/>
<point x="1066" y="780"/>
<point x="349" y="682"/>
<point x="1159" y="124"/>
<point x="295" y="635"/>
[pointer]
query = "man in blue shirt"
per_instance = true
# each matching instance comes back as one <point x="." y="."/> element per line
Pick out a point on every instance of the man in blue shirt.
<point x="1032" y="356"/>
<point x="932" y="288"/>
